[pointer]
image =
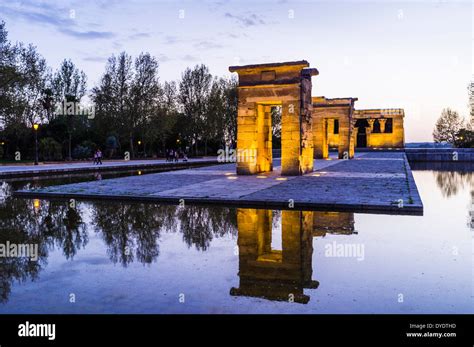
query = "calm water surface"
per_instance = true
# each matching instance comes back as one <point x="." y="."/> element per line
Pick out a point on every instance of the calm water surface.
<point x="114" y="257"/>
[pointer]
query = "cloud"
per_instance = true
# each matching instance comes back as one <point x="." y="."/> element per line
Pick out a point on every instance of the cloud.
<point x="117" y="45"/>
<point x="171" y="40"/>
<point x="95" y="59"/>
<point x="88" y="35"/>
<point x="162" y="58"/>
<point x="189" y="57"/>
<point x="246" y="20"/>
<point x="40" y="15"/>
<point x="53" y="16"/>
<point x="205" y="45"/>
<point x="139" y="36"/>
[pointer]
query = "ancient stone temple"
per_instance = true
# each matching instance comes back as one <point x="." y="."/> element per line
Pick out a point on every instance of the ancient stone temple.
<point x="309" y="126"/>
<point x="338" y="125"/>
<point x="333" y="126"/>
<point x="261" y="87"/>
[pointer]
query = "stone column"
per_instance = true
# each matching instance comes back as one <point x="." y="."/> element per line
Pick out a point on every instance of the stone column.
<point x="382" y="122"/>
<point x="320" y="138"/>
<point x="352" y="138"/>
<point x="345" y="133"/>
<point x="246" y="136"/>
<point x="290" y="138"/>
<point x="368" y="130"/>
<point x="306" y="119"/>
<point x="371" y="124"/>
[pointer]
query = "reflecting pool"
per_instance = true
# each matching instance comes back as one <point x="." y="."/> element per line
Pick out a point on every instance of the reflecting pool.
<point x="115" y="257"/>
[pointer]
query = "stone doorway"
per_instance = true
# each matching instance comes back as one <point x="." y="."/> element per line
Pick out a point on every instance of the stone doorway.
<point x="362" y="125"/>
<point x="260" y="88"/>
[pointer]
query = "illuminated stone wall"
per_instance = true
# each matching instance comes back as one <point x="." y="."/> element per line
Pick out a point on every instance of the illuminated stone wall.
<point x="325" y="111"/>
<point x="261" y="86"/>
<point x="395" y="139"/>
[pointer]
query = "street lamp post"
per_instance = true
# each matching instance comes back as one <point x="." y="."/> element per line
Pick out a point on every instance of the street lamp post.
<point x="35" y="127"/>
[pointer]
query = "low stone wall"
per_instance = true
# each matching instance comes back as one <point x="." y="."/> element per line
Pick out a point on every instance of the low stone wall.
<point x="440" y="154"/>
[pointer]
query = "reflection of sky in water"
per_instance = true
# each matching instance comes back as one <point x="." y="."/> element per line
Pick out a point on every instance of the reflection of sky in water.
<point x="112" y="266"/>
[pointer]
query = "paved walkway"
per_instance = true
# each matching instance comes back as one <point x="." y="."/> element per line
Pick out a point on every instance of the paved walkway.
<point x="371" y="182"/>
<point x="45" y="169"/>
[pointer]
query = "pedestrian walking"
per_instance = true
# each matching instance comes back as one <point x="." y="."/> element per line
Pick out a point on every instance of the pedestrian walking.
<point x="99" y="157"/>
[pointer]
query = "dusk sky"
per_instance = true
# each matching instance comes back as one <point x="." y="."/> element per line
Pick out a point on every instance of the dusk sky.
<point x="416" y="56"/>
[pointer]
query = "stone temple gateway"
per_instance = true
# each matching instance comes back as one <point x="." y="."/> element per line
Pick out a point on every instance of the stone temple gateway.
<point x="309" y="126"/>
<point x="279" y="84"/>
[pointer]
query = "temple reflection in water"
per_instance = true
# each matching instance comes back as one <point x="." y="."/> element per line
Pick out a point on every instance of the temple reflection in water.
<point x="282" y="274"/>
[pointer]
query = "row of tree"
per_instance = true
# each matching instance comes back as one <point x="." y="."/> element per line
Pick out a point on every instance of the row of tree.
<point x="453" y="129"/>
<point x="130" y="110"/>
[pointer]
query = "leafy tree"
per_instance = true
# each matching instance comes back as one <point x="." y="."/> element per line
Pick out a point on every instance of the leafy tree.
<point x="221" y="115"/>
<point x="229" y="115"/>
<point x="471" y="104"/>
<point x="464" y="139"/>
<point x="69" y="85"/>
<point x="130" y="105"/>
<point x="50" y="149"/>
<point x="164" y="118"/>
<point x="145" y="95"/>
<point x="23" y="77"/>
<point x="447" y="126"/>
<point x="194" y="89"/>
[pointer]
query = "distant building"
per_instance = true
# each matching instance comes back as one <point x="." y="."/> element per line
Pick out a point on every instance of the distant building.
<point x="338" y="125"/>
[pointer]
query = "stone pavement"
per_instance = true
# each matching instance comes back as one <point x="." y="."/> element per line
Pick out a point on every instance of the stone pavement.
<point x="49" y="169"/>
<point x="379" y="182"/>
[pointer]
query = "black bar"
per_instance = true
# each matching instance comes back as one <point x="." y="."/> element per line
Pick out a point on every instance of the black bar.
<point x="321" y="330"/>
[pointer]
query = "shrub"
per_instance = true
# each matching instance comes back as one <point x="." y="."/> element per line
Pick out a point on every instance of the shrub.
<point x="84" y="150"/>
<point x="50" y="149"/>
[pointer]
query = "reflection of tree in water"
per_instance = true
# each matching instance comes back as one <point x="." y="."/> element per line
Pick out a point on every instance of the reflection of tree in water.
<point x="199" y="224"/>
<point x="63" y="226"/>
<point x="131" y="230"/>
<point x="450" y="182"/>
<point x="16" y="268"/>
<point x="43" y="223"/>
